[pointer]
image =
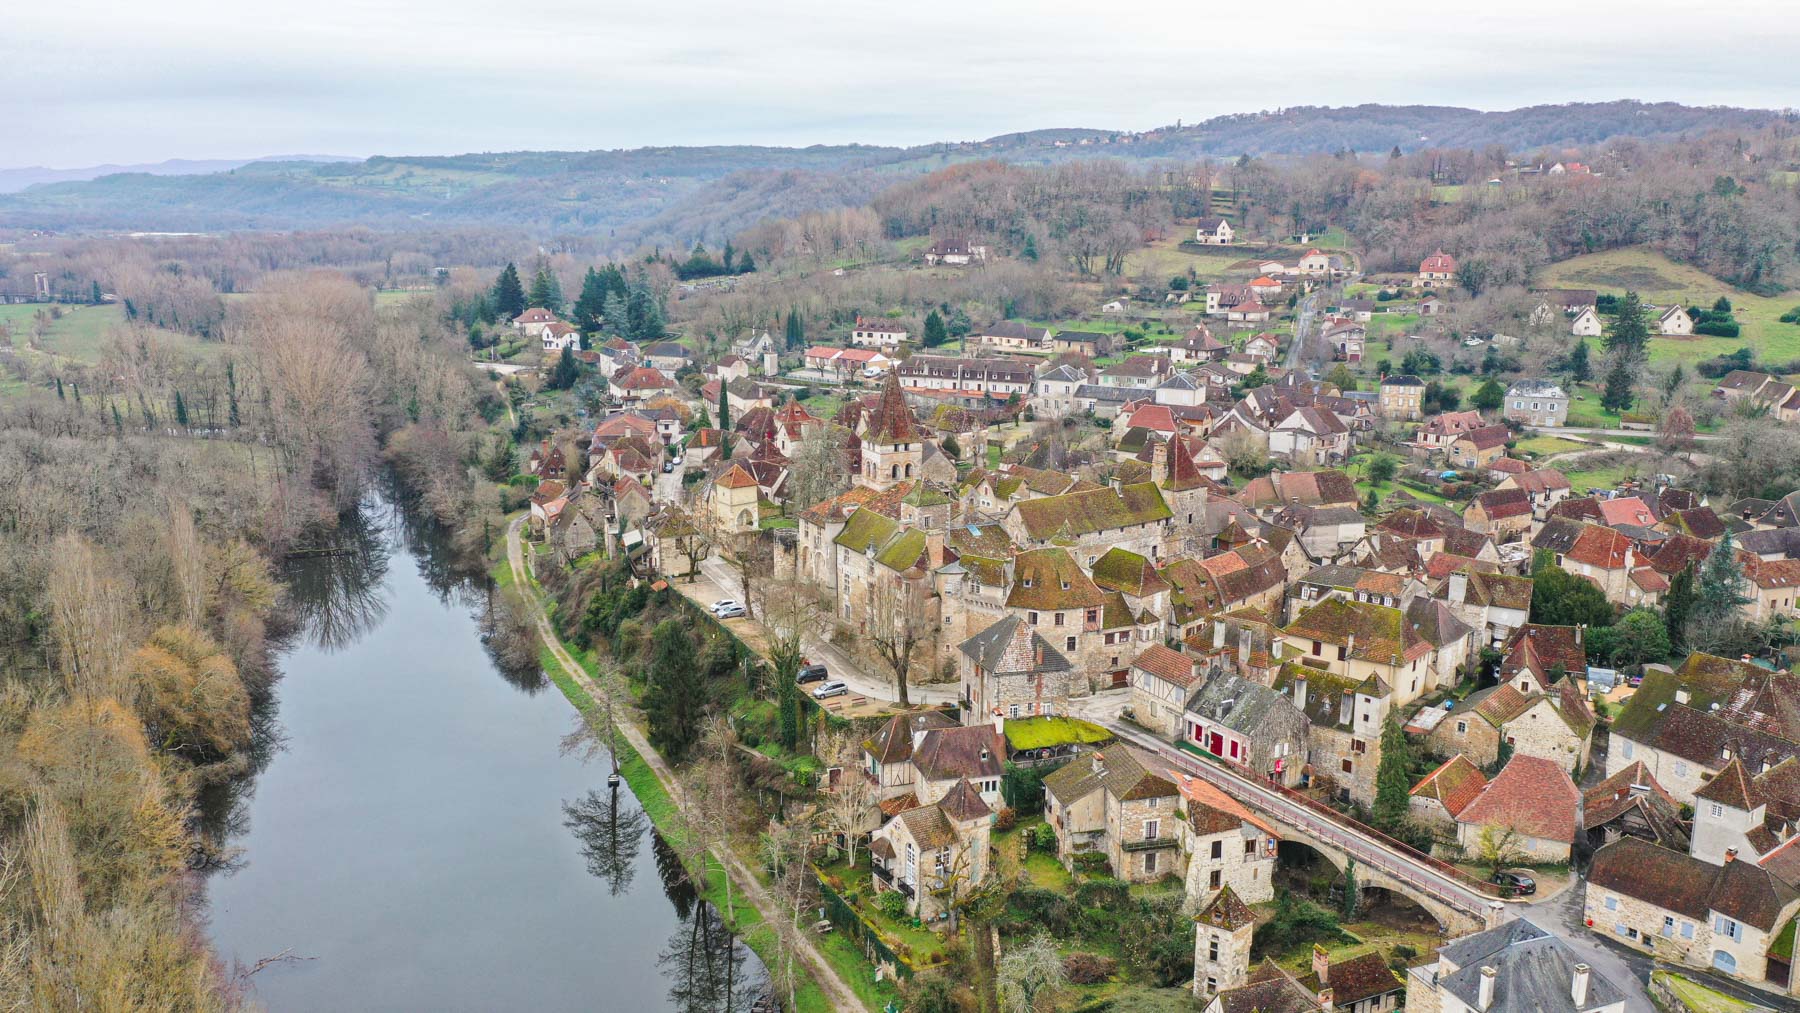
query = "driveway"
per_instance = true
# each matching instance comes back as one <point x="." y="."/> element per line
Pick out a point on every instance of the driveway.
<point x="1628" y="969"/>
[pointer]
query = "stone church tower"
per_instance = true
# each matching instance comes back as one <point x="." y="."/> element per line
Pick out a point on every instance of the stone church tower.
<point x="1222" y="933"/>
<point x="892" y="445"/>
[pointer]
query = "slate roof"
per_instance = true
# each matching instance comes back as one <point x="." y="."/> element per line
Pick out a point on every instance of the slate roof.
<point x="1689" y="886"/>
<point x="893" y="741"/>
<point x="1115" y="770"/>
<point x="1325" y="690"/>
<point x="1455" y="783"/>
<point x="1011" y="647"/>
<point x="1533" y="971"/>
<point x="1233" y="702"/>
<point x="1533" y="796"/>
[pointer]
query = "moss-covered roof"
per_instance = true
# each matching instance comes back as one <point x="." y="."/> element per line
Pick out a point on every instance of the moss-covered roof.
<point x="903" y="551"/>
<point x="864" y="529"/>
<point x="1093" y="511"/>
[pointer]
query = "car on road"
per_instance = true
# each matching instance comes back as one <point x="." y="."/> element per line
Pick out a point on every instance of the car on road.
<point x="725" y="603"/>
<point x="811" y="673"/>
<point x="668" y="466"/>
<point x="830" y="689"/>
<point x="1516" y="884"/>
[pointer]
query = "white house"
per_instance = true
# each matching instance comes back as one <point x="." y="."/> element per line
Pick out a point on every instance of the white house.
<point x="1586" y="323"/>
<point x="1674" y="321"/>
<point x="1213" y="232"/>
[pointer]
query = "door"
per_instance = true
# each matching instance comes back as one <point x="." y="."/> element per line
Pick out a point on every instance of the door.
<point x="1216" y="744"/>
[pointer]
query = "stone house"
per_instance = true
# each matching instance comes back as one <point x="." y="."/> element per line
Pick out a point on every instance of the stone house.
<point x="887" y="755"/>
<point x="1111" y="802"/>
<point x="1410" y="653"/>
<point x="1441" y="796"/>
<point x="1534" y="799"/>
<point x="1503" y="514"/>
<point x="1247" y="724"/>
<point x="1536" y="403"/>
<point x="1436" y="271"/>
<point x="1344" y="722"/>
<point x="1555" y="725"/>
<point x="1310" y="437"/>
<point x="1491" y="604"/>
<point x="1545" y="487"/>
<point x="934" y="855"/>
<point x="1010" y="669"/>
<point x="1631" y="804"/>
<point x="1517" y="961"/>
<point x="1537" y="655"/>
<point x="1478" y="448"/>
<point x="1401" y="397"/>
<point x="1228" y="846"/>
<point x="1688" y="911"/>
<point x="1222" y="936"/>
<point x="1132" y="517"/>
<point x="873" y="333"/>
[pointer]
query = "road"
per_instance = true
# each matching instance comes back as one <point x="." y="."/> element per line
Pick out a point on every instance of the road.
<point x="1628" y="969"/>
<point x="853" y="673"/>
<point x="1307" y="308"/>
<point x="1583" y="431"/>
<point x="750" y="889"/>
<point x="1340" y="832"/>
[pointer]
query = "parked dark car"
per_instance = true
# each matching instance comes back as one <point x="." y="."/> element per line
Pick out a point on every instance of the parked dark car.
<point x="811" y="673"/>
<point x="1516" y="884"/>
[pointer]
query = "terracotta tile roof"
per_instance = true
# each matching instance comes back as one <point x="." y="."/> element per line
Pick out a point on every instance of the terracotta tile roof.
<point x="892" y="421"/>
<point x="1486" y="438"/>
<point x="1120" y="570"/>
<point x="1533" y="796"/>
<point x="1168" y="665"/>
<point x="1509" y="466"/>
<point x="1626" y="510"/>
<point x="1776" y="574"/>
<point x="1607" y="800"/>
<point x="1226" y="911"/>
<point x="1455" y="783"/>
<point x="929" y="826"/>
<point x="1496" y="704"/>
<point x="893" y="807"/>
<point x="643" y="378"/>
<point x="1416" y="524"/>
<point x="1357" y="979"/>
<point x="893" y="741"/>
<point x="1741" y="890"/>
<point x="1600" y="547"/>
<point x="1541" y="481"/>
<point x="735" y="477"/>
<point x="1732" y="786"/>
<point x="1701" y="522"/>
<point x="1538" y="648"/>
<point x="1500" y="504"/>
<point x="1673" y="554"/>
<point x="963" y="802"/>
<point x="1372" y="632"/>
<point x="1210" y="810"/>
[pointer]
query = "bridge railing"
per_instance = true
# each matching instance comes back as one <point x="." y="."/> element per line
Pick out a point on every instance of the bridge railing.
<point x="1362" y="834"/>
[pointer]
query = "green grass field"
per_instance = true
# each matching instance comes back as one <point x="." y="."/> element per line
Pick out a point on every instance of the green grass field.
<point x="81" y="332"/>
<point x="1544" y="446"/>
<point x="1662" y="281"/>
<point x="1167" y="257"/>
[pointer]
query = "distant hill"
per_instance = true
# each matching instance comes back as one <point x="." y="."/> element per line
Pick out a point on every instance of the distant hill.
<point x="14" y="180"/>
<point x="681" y="193"/>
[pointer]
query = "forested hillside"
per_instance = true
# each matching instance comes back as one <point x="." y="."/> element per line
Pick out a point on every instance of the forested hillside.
<point x="673" y="194"/>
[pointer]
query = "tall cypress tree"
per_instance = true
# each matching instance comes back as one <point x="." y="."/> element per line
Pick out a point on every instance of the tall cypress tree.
<point x="1678" y="605"/>
<point x="935" y="331"/>
<point x="725" y="420"/>
<point x="590" y="305"/>
<point x="1393" y="780"/>
<point x="796" y="330"/>
<point x="509" y="294"/>
<point x="675" y="698"/>
<point x="1617" y="395"/>
<point x="1719" y="594"/>
<point x="1579" y="369"/>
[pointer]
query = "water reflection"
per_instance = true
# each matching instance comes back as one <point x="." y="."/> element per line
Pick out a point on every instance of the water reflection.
<point x="704" y="963"/>
<point x="610" y="833"/>
<point x="338" y="590"/>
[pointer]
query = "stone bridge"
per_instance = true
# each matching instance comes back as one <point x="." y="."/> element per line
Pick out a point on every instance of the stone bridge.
<point x="1460" y="903"/>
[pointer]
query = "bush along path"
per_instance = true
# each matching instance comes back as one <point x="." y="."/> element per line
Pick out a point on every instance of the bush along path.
<point x="750" y="888"/>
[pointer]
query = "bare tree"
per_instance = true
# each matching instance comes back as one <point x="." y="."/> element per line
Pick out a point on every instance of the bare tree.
<point x="689" y="538"/>
<point x="90" y="620"/>
<point x="849" y="801"/>
<point x="1030" y="976"/>
<point x="896" y="629"/>
<point x="819" y="468"/>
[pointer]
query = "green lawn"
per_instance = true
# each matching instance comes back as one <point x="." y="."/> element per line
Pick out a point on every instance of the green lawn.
<point x="1662" y="281"/>
<point x="1699" y="998"/>
<point x="1169" y="258"/>
<point x="1605" y="477"/>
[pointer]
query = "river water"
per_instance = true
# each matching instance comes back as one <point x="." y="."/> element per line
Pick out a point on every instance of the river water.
<point x="413" y="838"/>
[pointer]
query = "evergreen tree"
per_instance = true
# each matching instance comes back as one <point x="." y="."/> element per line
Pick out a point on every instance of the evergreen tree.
<point x="565" y="373"/>
<point x="614" y="313"/>
<point x="729" y="256"/>
<point x="1672" y="385"/>
<point x="546" y="291"/>
<point x="509" y="295"/>
<point x="725" y="420"/>
<point x="590" y="305"/>
<point x="231" y="396"/>
<point x="1718" y="595"/>
<point x="746" y="264"/>
<point x="675" y="697"/>
<point x="1629" y="332"/>
<point x="1488" y="397"/>
<point x="1579" y="369"/>
<point x="181" y="412"/>
<point x="1678" y="605"/>
<point x="935" y="331"/>
<point x="1393" y="781"/>
<point x="796" y="331"/>
<point x="643" y="316"/>
<point x="60" y="396"/>
<point x="1617" y="396"/>
<point x="1559" y="598"/>
<point x="94" y="296"/>
<point x="1029" y="251"/>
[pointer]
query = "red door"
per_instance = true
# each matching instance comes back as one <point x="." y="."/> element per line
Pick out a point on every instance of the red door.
<point x="1216" y="744"/>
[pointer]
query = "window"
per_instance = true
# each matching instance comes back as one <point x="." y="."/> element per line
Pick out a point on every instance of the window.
<point x="1212" y="953"/>
<point x="1234" y="749"/>
<point x="1215" y="880"/>
<point x="1728" y="928"/>
<point x="1342" y="652"/>
<point x="1358" y="745"/>
<point x="1059" y="619"/>
<point x="1612" y="903"/>
<point x="1093" y="615"/>
<point x="1068" y="643"/>
<point x="1149" y="862"/>
<point x="1680" y="769"/>
<point x="1687" y="930"/>
<point x="1628" y="748"/>
<point x="1013" y="711"/>
<point x="1716" y="810"/>
<point x="1152" y="829"/>
<point x="1668" y="928"/>
<point x="1348" y="766"/>
<point x="1218" y="850"/>
<point x="1032" y="618"/>
<point x="1318" y="650"/>
<point x="1462" y="728"/>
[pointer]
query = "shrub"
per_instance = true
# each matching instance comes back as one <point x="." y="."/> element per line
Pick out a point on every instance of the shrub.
<point x="1043" y="838"/>
<point x="1405" y="952"/>
<point x="1718" y="328"/>
<point x="1005" y="819"/>
<point x="892" y="903"/>
<point x="1089" y="968"/>
<point x="1791" y="316"/>
<point x="1093" y="863"/>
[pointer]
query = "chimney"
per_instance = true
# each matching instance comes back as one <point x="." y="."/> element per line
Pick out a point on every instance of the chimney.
<point x="999" y="722"/>
<point x="1578" y="631"/>
<point x="1578" y="989"/>
<point x="1243" y="650"/>
<point x="1459" y="587"/>
<point x="1159" y="460"/>
<point x="1300" y="694"/>
<point x="1326" y="1004"/>
<point x="1099" y="763"/>
<point x="1681" y="696"/>
<point x="1321" y="964"/>
<point x="1350" y="648"/>
<point x="1218" y="633"/>
<point x="934" y="546"/>
<point x="1730" y="855"/>
<point x="1485" y="996"/>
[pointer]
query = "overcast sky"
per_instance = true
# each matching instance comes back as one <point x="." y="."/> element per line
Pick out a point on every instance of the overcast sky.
<point x="90" y="81"/>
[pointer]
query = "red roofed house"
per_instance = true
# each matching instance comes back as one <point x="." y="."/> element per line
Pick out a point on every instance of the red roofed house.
<point x="1443" y="794"/>
<point x="1626" y="510"/>
<point x="1775" y="587"/>
<point x="1501" y="513"/>
<point x="1314" y="263"/>
<point x="1161" y="682"/>
<point x="1535" y="800"/>
<point x="1605" y="557"/>
<point x="1477" y="448"/>
<point x="1437" y="271"/>
<point x="1439" y="431"/>
<point x="533" y="321"/>
<point x="639" y="384"/>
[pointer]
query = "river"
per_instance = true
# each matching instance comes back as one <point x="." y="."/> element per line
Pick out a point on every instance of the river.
<point x="413" y="838"/>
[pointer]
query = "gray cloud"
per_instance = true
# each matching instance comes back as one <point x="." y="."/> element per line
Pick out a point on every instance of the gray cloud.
<point x="100" y="81"/>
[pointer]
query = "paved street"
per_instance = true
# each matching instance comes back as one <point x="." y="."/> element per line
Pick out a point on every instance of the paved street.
<point x="1627" y="969"/>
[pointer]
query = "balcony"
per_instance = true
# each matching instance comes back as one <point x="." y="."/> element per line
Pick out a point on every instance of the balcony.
<point x="882" y="875"/>
<point x="1148" y="844"/>
<point x="905" y="888"/>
